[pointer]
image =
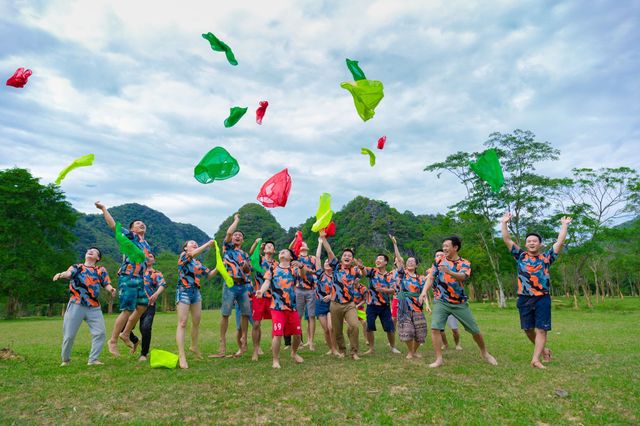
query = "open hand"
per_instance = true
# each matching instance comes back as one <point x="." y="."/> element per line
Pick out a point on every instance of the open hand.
<point x="565" y="220"/>
<point x="506" y="217"/>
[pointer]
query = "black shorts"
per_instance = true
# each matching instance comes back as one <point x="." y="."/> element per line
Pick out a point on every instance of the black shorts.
<point x="384" y="312"/>
<point x="535" y="312"/>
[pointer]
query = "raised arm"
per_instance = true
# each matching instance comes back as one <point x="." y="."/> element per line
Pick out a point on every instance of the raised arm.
<point x="197" y="252"/>
<point x="63" y="275"/>
<point x="232" y="227"/>
<point x="505" y="230"/>
<point x="562" y="236"/>
<point x="212" y="273"/>
<point x="107" y="216"/>
<point x="319" y="252"/>
<point x="254" y="245"/>
<point x="327" y="246"/>
<point x="399" y="261"/>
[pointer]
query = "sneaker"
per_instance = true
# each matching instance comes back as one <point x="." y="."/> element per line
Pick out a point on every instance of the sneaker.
<point x="96" y="362"/>
<point x="395" y="351"/>
<point x="64" y="363"/>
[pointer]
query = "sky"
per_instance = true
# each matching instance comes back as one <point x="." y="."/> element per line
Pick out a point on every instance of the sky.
<point x="135" y="84"/>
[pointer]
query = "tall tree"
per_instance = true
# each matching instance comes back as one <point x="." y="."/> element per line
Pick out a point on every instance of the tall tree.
<point x="35" y="238"/>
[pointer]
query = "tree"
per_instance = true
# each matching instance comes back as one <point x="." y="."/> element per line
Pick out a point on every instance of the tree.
<point x="35" y="239"/>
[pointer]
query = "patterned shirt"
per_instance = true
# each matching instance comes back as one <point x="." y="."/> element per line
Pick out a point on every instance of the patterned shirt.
<point x="283" y="287"/>
<point x="308" y="281"/>
<point x="445" y="287"/>
<point x="411" y="287"/>
<point x="325" y="284"/>
<point x="376" y="282"/>
<point x="234" y="259"/>
<point x="190" y="271"/>
<point x="152" y="280"/>
<point x="131" y="268"/>
<point x="85" y="284"/>
<point x="533" y="271"/>
<point x="343" y="282"/>
<point x="360" y="294"/>
<point x="259" y="276"/>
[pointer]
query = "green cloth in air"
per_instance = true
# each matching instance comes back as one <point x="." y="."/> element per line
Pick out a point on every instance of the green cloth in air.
<point x="220" y="267"/>
<point x="220" y="46"/>
<point x="356" y="72"/>
<point x="217" y="164"/>
<point x="487" y="167"/>
<point x="255" y="258"/>
<point x="367" y="94"/>
<point x="84" y="161"/>
<point x="324" y="213"/>
<point x="235" y="114"/>
<point x="372" y="156"/>
<point x="128" y="248"/>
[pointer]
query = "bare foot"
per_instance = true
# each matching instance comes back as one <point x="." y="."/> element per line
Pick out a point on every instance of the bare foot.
<point x="135" y="347"/>
<point x="417" y="355"/>
<point x="239" y="353"/>
<point x="355" y="357"/>
<point x="368" y="352"/>
<point x="254" y="357"/>
<point x="444" y="347"/>
<point x="126" y="340"/>
<point x="458" y="348"/>
<point x="275" y="364"/>
<point x="312" y="347"/>
<point x="546" y="355"/>
<point x="196" y="352"/>
<point x="95" y="362"/>
<point x="437" y="363"/>
<point x="339" y="354"/>
<point x="330" y="353"/>
<point x="297" y="358"/>
<point x="183" y="363"/>
<point x="537" y="364"/>
<point x="489" y="358"/>
<point x="305" y="344"/>
<point x="220" y="354"/>
<point x="260" y="351"/>
<point x="409" y="355"/>
<point x="113" y="348"/>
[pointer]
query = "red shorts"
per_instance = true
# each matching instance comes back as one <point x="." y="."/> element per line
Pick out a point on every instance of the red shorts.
<point x="261" y="308"/>
<point x="394" y="308"/>
<point x="285" y="323"/>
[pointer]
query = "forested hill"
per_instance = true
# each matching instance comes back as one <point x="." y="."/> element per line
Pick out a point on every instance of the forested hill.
<point x="362" y="225"/>
<point x="163" y="234"/>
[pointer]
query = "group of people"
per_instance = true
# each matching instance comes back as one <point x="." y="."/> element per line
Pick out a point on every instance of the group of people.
<point x="288" y="286"/>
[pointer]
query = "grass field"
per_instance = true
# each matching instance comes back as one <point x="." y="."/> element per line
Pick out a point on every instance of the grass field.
<point x="596" y="360"/>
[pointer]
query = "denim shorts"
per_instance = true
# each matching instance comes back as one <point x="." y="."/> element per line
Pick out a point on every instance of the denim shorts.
<point x="239" y="294"/>
<point x="188" y="296"/>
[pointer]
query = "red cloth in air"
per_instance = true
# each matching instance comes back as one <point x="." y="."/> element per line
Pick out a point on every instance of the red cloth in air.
<point x="331" y="229"/>
<point x="297" y="244"/>
<point x="275" y="191"/>
<point x="19" y="78"/>
<point x="260" y="111"/>
<point x="381" y="142"/>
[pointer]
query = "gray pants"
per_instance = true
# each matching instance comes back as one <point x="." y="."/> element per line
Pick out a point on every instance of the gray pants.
<point x="306" y="298"/>
<point x="73" y="317"/>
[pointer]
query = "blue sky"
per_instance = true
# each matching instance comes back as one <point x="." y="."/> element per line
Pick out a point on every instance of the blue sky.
<point x="135" y="84"/>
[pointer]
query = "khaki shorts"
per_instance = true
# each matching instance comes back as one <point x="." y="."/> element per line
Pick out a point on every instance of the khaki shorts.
<point x="462" y="312"/>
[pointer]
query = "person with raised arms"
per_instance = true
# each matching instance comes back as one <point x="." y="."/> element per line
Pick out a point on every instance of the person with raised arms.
<point x="154" y="285"/>
<point x="85" y="282"/>
<point x="381" y="286"/>
<point x="447" y="278"/>
<point x="132" y="299"/>
<point x="188" y="296"/>
<point x="261" y="306"/>
<point x="306" y="292"/>
<point x="412" y="324"/>
<point x="238" y="265"/>
<point x="281" y="280"/>
<point x="534" y="283"/>
<point x="345" y="274"/>
<point x="324" y="285"/>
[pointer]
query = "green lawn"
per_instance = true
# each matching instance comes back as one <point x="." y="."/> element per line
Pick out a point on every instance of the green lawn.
<point x="596" y="360"/>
